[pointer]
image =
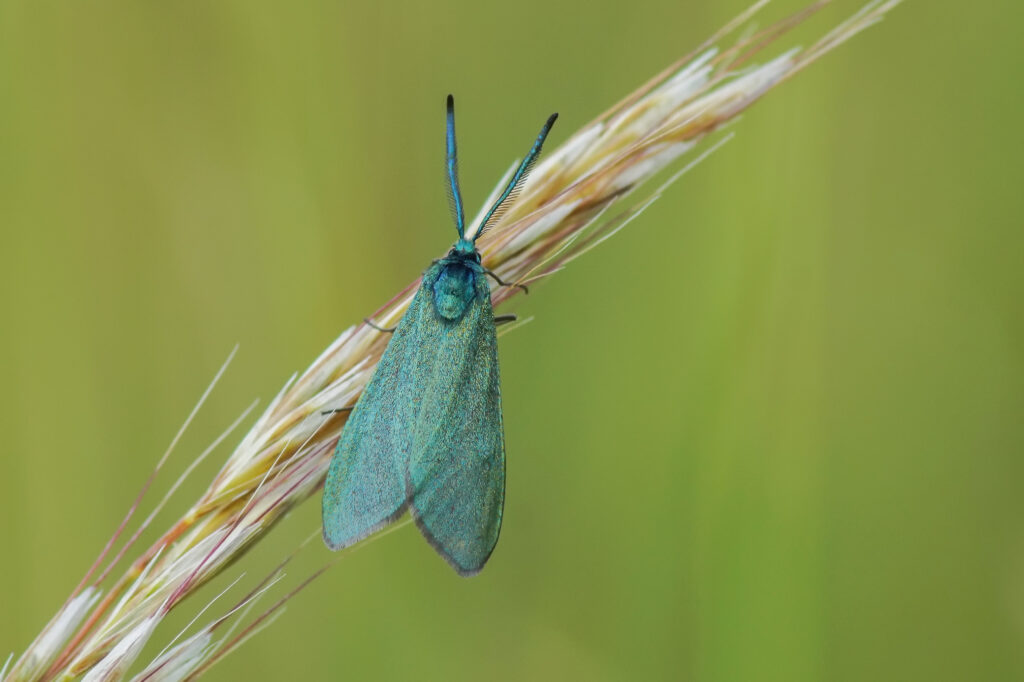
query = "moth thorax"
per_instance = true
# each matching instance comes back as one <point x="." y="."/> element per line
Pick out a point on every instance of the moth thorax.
<point x="453" y="289"/>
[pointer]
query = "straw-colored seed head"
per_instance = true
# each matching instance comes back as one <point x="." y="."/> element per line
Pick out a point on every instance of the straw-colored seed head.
<point x="563" y="210"/>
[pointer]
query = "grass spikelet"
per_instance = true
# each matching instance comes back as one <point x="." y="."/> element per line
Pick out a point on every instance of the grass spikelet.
<point x="578" y="196"/>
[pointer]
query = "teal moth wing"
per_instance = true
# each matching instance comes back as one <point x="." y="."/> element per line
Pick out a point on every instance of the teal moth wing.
<point x="427" y="431"/>
<point x="457" y="464"/>
<point x="365" y="488"/>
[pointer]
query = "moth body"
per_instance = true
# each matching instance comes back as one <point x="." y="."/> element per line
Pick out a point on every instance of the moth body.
<point x="426" y="435"/>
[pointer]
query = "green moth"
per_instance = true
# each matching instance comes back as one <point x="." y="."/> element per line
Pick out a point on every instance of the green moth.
<point x="426" y="435"/>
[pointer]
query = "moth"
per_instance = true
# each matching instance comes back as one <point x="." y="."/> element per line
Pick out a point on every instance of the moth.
<point x="426" y="435"/>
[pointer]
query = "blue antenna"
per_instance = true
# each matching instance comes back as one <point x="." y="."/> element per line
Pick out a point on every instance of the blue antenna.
<point x="452" y="165"/>
<point x="518" y="178"/>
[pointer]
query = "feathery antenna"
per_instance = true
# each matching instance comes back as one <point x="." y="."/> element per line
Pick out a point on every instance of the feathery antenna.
<point x="518" y="178"/>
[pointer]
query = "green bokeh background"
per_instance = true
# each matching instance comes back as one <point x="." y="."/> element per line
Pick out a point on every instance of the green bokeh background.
<point x="770" y="432"/>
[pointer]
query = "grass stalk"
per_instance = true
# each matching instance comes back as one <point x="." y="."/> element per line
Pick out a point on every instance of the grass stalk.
<point x="577" y="197"/>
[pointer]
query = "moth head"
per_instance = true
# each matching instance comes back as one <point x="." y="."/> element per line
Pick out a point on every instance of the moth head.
<point x="465" y="249"/>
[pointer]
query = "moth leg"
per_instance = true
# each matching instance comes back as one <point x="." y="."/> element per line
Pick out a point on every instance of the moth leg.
<point x="504" y="319"/>
<point x="504" y="283"/>
<point x="386" y="330"/>
<point x="336" y="411"/>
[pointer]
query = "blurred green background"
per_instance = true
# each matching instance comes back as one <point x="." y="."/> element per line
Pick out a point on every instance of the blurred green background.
<point x="772" y="431"/>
